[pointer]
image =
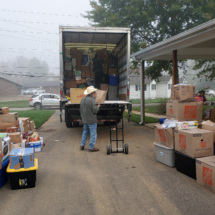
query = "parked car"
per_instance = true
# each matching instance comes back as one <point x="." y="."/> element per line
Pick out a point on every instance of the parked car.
<point x="211" y="93"/>
<point x="28" y="92"/>
<point x="44" y="100"/>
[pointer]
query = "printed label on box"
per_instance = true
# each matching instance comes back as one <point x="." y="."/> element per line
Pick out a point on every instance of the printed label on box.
<point x="171" y="111"/>
<point x="207" y="175"/>
<point x="162" y="135"/>
<point x="182" y="141"/>
<point x="81" y="96"/>
<point x="190" y="112"/>
<point x="203" y="144"/>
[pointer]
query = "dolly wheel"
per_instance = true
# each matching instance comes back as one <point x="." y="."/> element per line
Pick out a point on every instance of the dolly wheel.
<point x="126" y="148"/>
<point x="108" y="149"/>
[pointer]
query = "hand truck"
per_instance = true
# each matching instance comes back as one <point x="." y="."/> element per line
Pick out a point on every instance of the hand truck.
<point x="115" y="128"/>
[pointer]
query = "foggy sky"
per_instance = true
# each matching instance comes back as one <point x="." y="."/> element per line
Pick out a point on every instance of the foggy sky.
<point x="11" y="47"/>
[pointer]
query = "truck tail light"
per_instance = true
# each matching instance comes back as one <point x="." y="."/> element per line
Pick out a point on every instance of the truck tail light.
<point x="31" y="100"/>
<point x="61" y="92"/>
<point x="127" y="92"/>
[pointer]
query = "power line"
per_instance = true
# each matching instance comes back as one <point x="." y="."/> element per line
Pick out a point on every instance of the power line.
<point x="37" y="13"/>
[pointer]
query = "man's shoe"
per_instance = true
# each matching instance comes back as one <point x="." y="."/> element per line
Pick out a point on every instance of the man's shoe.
<point x="81" y="147"/>
<point x="94" y="150"/>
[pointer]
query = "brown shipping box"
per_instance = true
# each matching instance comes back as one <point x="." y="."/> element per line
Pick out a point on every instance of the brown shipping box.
<point x="100" y="96"/>
<point x="16" y="146"/>
<point x="164" y="136"/>
<point x="14" y="138"/>
<point x="73" y="52"/>
<point x="71" y="84"/>
<point x="26" y="127"/>
<point x="11" y="117"/>
<point x="5" y="110"/>
<point x="79" y="60"/>
<point x="32" y="126"/>
<point x="205" y="172"/>
<point x="184" y="111"/>
<point x="104" y="87"/>
<point x="5" y="125"/>
<point x="25" y="121"/>
<point x="112" y="71"/>
<point x="212" y="115"/>
<point x="76" y="95"/>
<point x="209" y="127"/>
<point x="183" y="92"/>
<point x="195" y="143"/>
<point x="85" y="71"/>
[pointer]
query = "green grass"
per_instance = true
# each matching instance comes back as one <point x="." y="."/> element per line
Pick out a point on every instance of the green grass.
<point x="136" y="118"/>
<point x="38" y="116"/>
<point x="147" y="101"/>
<point x="15" y="104"/>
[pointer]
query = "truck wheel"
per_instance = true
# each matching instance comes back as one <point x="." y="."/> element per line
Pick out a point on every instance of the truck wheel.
<point x="68" y="124"/>
<point x="108" y="149"/>
<point x="37" y="106"/>
<point x="126" y="148"/>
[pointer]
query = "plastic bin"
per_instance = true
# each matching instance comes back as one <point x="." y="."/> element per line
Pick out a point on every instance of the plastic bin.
<point x="161" y="120"/>
<point x="23" y="178"/>
<point x="165" y="155"/>
<point x="4" y="176"/>
<point x="185" y="164"/>
<point x="113" y="80"/>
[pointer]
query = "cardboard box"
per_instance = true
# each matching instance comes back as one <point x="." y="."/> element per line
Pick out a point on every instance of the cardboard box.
<point x="26" y="127"/>
<point x="212" y="115"/>
<point x="186" y="125"/>
<point x="4" y="145"/>
<point x="113" y="71"/>
<point x="21" y="158"/>
<point x="85" y="71"/>
<point x="25" y="121"/>
<point x="10" y="117"/>
<point x="164" y="136"/>
<point x="195" y="143"/>
<point x="5" y="125"/>
<point x="15" y="137"/>
<point x="32" y="126"/>
<point x="4" y="110"/>
<point x="15" y="146"/>
<point x="100" y="96"/>
<point x="205" y="172"/>
<point x="71" y="84"/>
<point x="209" y="126"/>
<point x="36" y="146"/>
<point x="76" y="95"/>
<point x="79" y="60"/>
<point x="104" y="87"/>
<point x="184" y="111"/>
<point x="73" y="52"/>
<point x="183" y="92"/>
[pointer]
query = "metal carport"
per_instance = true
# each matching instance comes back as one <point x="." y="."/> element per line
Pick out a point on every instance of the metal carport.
<point x="196" y="43"/>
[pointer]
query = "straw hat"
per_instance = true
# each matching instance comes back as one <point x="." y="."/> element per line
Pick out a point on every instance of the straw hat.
<point x="89" y="90"/>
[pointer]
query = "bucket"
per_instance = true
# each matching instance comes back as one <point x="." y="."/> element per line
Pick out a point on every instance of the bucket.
<point x="161" y="120"/>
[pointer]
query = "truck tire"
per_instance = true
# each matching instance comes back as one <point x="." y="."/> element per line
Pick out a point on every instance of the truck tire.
<point x="68" y="124"/>
<point x="37" y="106"/>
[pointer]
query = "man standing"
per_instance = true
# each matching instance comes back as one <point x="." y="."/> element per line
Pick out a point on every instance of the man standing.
<point x="89" y="110"/>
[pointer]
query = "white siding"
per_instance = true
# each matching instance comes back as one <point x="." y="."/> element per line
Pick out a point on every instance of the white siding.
<point x="169" y="90"/>
<point x="136" y="94"/>
<point x="161" y="89"/>
<point x="153" y="93"/>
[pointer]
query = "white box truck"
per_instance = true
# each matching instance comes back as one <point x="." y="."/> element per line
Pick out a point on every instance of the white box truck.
<point x="114" y="40"/>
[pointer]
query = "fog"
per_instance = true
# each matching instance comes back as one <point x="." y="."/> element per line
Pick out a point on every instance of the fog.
<point x="30" y="29"/>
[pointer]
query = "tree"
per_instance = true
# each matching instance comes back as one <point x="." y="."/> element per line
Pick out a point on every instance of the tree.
<point x="151" y="21"/>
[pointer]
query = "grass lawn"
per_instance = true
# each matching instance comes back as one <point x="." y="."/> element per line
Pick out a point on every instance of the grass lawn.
<point x="136" y="118"/>
<point x="38" y="116"/>
<point x="15" y="104"/>
<point x="147" y="101"/>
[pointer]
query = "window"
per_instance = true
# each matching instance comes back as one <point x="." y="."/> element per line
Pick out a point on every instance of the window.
<point x="137" y="87"/>
<point x="153" y="86"/>
<point x="145" y="87"/>
<point x="47" y="96"/>
<point x="169" y="86"/>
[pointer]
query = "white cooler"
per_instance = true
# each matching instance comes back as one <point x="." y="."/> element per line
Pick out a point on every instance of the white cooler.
<point x="165" y="155"/>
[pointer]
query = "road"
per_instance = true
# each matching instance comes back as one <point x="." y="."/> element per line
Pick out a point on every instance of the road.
<point x="70" y="181"/>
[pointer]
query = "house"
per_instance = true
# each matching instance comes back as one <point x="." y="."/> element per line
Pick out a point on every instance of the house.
<point x="48" y="86"/>
<point x="9" y="88"/>
<point x="153" y="89"/>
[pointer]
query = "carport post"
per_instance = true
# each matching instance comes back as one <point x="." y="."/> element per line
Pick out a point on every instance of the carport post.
<point x="142" y="92"/>
<point x="175" y="78"/>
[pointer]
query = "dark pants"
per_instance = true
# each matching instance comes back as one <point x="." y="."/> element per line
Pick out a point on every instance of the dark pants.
<point x="98" y="79"/>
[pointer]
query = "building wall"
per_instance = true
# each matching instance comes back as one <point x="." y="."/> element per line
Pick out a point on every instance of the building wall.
<point x="152" y="93"/>
<point x="169" y="90"/>
<point x="162" y="89"/>
<point x="9" y="89"/>
<point x="136" y="94"/>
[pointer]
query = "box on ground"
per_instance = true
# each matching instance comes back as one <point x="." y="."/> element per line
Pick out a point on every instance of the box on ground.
<point x="32" y="126"/>
<point x="36" y="146"/>
<point x="195" y="143"/>
<point x="10" y="117"/>
<point x="26" y="127"/>
<point x="185" y="164"/>
<point x="205" y="172"/>
<point x="183" y="92"/>
<point x="4" y="146"/>
<point x="25" y="121"/>
<point x="76" y="95"/>
<point x="184" y="111"/>
<point x="165" y="155"/>
<point x="4" y="110"/>
<point x="164" y="136"/>
<point x="15" y="146"/>
<point x="186" y="125"/>
<point x="14" y="138"/>
<point x="5" y="125"/>
<point x="209" y="126"/>
<point x="23" y="178"/>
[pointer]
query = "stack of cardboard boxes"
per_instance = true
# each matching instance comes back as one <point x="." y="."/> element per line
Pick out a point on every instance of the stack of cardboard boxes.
<point x="193" y="148"/>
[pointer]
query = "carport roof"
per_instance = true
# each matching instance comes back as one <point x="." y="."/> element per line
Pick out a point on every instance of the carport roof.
<point x="196" y="43"/>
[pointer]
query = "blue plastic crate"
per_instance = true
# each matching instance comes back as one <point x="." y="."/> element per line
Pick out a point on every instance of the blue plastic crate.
<point x="4" y="176"/>
<point x="161" y="120"/>
<point x="113" y="80"/>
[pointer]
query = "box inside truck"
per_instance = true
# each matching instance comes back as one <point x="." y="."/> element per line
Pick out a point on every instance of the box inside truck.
<point x="98" y="58"/>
